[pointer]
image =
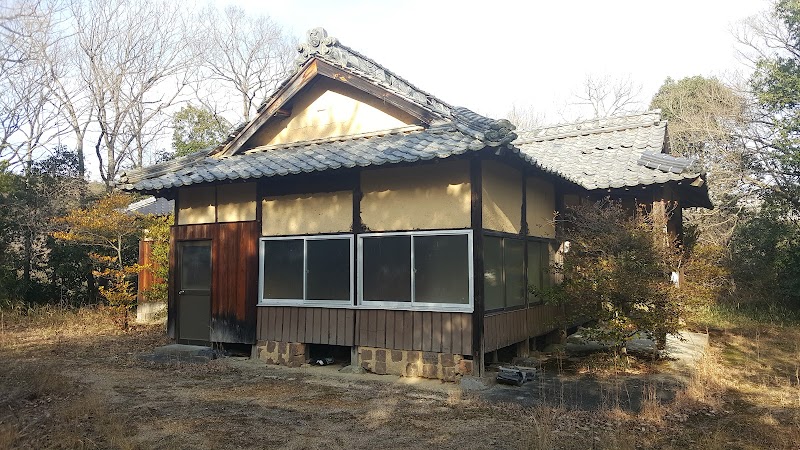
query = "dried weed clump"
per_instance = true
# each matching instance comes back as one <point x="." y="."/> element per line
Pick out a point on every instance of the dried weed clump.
<point x="41" y="408"/>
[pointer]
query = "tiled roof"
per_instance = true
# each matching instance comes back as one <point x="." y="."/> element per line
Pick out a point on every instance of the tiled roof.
<point x="455" y="131"/>
<point x="604" y="153"/>
<point x="152" y="205"/>
<point x="607" y="153"/>
<point x="406" y="146"/>
<point x="327" y="48"/>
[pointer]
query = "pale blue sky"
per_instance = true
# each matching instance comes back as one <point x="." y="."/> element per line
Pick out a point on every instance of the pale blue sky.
<point x="488" y="55"/>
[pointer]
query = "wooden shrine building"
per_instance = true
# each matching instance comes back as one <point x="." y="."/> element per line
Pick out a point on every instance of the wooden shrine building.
<point x="356" y="211"/>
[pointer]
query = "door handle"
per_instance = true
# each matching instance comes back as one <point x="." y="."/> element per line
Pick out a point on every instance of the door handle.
<point x="181" y="292"/>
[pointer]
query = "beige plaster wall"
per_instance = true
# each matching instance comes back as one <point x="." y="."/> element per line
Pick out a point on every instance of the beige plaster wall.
<point x="416" y="198"/>
<point x="540" y="209"/>
<point x="236" y="202"/>
<point x="196" y="205"/>
<point x="328" y="108"/>
<point x="502" y="197"/>
<point x="318" y="213"/>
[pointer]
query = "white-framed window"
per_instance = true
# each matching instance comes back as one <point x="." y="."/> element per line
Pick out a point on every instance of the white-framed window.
<point x="539" y="270"/>
<point x="416" y="270"/>
<point x="306" y="270"/>
<point x="504" y="277"/>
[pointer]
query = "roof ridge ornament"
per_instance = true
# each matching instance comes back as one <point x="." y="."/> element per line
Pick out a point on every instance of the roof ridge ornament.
<point x="318" y="43"/>
<point x="500" y="132"/>
<point x="491" y="132"/>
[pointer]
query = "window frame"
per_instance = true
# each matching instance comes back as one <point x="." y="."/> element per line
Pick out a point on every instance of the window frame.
<point x="304" y="301"/>
<point x="503" y="237"/>
<point x="545" y="276"/>
<point x="413" y="305"/>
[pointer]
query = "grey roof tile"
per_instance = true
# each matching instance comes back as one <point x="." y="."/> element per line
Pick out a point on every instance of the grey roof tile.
<point x="598" y="154"/>
<point x="386" y="148"/>
<point x="607" y="153"/>
<point x="158" y="206"/>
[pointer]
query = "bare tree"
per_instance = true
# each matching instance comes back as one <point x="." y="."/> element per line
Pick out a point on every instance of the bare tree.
<point x="706" y="121"/>
<point x="19" y="22"/>
<point x="132" y="52"/>
<point x="28" y="114"/>
<point x="525" y="117"/>
<point x="605" y="96"/>
<point x="63" y="60"/>
<point x="244" y="54"/>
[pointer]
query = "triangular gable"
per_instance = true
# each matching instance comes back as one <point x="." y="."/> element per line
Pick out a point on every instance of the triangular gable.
<point x="368" y="85"/>
<point x="328" y="108"/>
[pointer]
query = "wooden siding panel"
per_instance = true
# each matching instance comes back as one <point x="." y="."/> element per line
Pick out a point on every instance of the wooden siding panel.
<point x="447" y="333"/>
<point x="293" y="322"/>
<point x="543" y="319"/>
<point x="372" y="337"/>
<point x="380" y="329"/>
<point x="350" y="320"/>
<point x="316" y="323"/>
<point x="287" y="325"/>
<point x="417" y="324"/>
<point x="466" y="334"/>
<point x="427" y="330"/>
<point x="455" y="333"/>
<point x="308" y="325"/>
<point x="359" y="335"/>
<point x="273" y="324"/>
<point x="234" y="285"/>
<point x="341" y="329"/>
<point x="146" y="278"/>
<point x="389" y="328"/>
<point x="507" y="328"/>
<point x="399" y="330"/>
<point x="260" y="335"/>
<point x="322" y="338"/>
<point x="436" y="332"/>
<point x="333" y="326"/>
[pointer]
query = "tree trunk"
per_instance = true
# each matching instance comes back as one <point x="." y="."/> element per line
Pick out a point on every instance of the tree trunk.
<point x="91" y="287"/>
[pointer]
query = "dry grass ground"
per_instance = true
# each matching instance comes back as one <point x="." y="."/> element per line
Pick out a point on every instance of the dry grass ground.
<point x="71" y="379"/>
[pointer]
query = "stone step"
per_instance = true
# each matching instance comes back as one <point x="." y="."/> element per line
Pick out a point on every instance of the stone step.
<point x="183" y="353"/>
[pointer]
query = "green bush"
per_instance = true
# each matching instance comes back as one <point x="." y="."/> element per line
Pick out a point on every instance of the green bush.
<point x="617" y="270"/>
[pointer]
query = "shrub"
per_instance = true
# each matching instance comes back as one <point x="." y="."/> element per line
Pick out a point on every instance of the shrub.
<point x="617" y="270"/>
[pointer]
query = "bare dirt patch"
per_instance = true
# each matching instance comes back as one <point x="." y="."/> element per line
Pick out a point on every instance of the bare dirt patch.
<point x="72" y="380"/>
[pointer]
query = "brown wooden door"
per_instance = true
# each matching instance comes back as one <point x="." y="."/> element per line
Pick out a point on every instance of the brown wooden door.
<point x="194" y="291"/>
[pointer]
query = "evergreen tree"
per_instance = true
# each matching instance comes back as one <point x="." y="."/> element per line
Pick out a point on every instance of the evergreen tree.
<point x="197" y="129"/>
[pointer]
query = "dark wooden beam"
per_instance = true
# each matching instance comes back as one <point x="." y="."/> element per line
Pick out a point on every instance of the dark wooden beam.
<point x="259" y="200"/>
<point x="309" y="183"/>
<point x="283" y="113"/>
<point x="357" y="228"/>
<point x="297" y="82"/>
<point x="523" y="231"/>
<point x="216" y="205"/>
<point x="172" y="294"/>
<point x="476" y="212"/>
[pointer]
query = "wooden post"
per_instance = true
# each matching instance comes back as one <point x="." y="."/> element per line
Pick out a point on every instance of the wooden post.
<point x="476" y="185"/>
<point x="357" y="228"/>
<point x="259" y="204"/>
<point x="523" y="230"/>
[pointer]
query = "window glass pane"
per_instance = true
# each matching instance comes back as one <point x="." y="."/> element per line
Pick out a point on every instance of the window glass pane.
<point x="283" y="269"/>
<point x="493" y="284"/>
<point x="534" y="268"/>
<point x="513" y="262"/>
<point x="441" y="269"/>
<point x="328" y="266"/>
<point x="387" y="268"/>
<point x="548" y="250"/>
<point x="195" y="265"/>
